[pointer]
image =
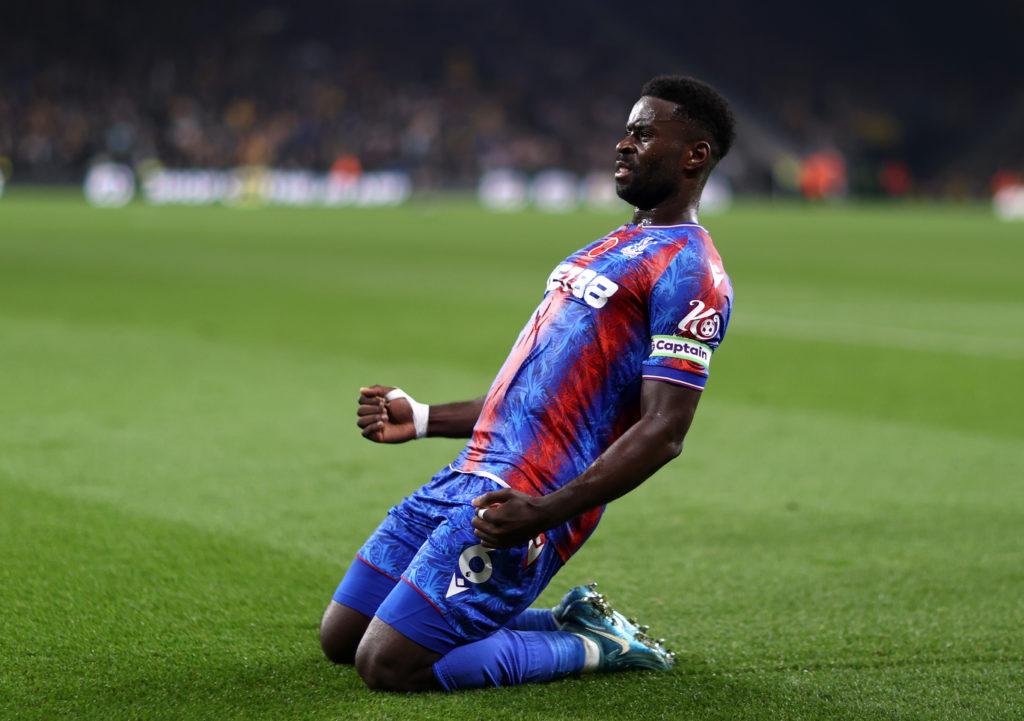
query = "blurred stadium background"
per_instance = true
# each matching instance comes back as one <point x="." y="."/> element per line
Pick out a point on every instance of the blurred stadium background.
<point x="868" y="99"/>
<point x="181" y="479"/>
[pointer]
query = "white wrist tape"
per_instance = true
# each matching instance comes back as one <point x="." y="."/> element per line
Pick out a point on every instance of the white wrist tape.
<point x="420" y="411"/>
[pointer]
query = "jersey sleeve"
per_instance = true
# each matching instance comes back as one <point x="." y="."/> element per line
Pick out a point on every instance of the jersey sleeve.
<point x="689" y="308"/>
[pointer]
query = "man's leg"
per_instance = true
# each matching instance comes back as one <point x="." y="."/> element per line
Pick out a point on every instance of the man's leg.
<point x="341" y="630"/>
<point x="367" y="582"/>
<point x="384" y="557"/>
<point x="445" y="624"/>
<point x="534" y="619"/>
<point x="594" y="637"/>
<point x="442" y="625"/>
<point x="388" y="660"/>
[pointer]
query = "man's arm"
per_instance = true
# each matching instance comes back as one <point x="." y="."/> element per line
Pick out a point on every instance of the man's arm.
<point x="391" y="421"/>
<point x="454" y="420"/>
<point x="654" y="440"/>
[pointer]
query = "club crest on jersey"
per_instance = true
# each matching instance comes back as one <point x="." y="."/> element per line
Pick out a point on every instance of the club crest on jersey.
<point x="637" y="249"/>
<point x="583" y="283"/>
<point x="702" y="322"/>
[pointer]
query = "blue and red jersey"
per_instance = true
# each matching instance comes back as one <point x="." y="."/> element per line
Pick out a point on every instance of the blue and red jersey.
<point x="643" y="302"/>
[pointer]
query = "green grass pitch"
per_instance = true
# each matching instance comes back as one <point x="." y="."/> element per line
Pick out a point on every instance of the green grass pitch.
<point x="182" y="481"/>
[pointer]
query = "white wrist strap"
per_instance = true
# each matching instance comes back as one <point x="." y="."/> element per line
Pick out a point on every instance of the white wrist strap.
<point x="420" y="411"/>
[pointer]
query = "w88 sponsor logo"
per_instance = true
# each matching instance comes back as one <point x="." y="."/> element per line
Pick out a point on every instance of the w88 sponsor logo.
<point x="583" y="283"/>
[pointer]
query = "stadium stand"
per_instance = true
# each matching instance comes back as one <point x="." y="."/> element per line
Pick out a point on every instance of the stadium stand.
<point x="449" y="92"/>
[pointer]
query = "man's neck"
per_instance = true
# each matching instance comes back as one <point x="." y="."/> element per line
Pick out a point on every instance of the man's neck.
<point x="676" y="210"/>
<point x="662" y="215"/>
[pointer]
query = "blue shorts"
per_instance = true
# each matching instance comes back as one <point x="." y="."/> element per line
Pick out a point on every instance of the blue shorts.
<point x="425" y="574"/>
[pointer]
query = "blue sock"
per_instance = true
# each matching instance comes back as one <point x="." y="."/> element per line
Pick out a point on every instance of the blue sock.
<point x="533" y="619"/>
<point x="510" y="658"/>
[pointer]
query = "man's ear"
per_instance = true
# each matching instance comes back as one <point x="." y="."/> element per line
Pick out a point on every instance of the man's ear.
<point x="698" y="155"/>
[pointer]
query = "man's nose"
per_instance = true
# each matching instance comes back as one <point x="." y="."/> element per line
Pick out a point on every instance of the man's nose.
<point x="626" y="145"/>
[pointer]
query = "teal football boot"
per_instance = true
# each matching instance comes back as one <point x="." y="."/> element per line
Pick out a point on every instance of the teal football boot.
<point x="623" y="644"/>
<point x="577" y="595"/>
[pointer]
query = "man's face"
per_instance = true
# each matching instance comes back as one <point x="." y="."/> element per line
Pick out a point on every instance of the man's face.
<point x="647" y="167"/>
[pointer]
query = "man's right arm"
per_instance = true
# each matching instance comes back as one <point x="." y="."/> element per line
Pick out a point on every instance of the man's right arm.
<point x="454" y="420"/>
<point x="393" y="420"/>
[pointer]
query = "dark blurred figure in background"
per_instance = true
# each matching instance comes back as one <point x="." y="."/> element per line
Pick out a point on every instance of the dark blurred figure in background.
<point x="449" y="91"/>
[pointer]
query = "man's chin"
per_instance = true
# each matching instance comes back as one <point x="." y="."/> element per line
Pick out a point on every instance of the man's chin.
<point x="642" y="196"/>
<point x="622" y="189"/>
<point x="627" y="193"/>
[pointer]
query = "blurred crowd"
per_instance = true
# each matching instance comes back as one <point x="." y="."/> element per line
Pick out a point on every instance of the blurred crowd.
<point x="308" y="107"/>
<point x="446" y="97"/>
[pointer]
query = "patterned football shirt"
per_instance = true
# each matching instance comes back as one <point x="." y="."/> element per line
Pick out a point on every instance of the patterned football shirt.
<point x="643" y="302"/>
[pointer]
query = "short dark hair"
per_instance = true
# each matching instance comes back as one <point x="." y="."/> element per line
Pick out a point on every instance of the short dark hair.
<point x="700" y="104"/>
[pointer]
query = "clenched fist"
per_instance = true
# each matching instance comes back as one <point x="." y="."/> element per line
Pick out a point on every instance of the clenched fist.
<point x="384" y="421"/>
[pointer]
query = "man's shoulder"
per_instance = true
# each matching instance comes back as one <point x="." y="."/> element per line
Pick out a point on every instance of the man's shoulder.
<point x="700" y="253"/>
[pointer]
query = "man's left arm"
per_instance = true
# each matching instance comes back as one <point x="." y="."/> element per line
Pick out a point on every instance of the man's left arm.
<point x="654" y="440"/>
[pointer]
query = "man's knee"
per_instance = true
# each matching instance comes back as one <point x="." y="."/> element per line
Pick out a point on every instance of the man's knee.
<point x="341" y="630"/>
<point x="387" y="661"/>
<point x="337" y="650"/>
<point x="386" y="671"/>
<point x="378" y="671"/>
